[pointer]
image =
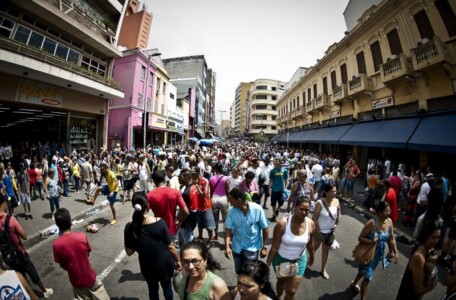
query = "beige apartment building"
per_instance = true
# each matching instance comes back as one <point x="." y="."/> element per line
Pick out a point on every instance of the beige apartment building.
<point x="387" y="86"/>
<point x="240" y="101"/>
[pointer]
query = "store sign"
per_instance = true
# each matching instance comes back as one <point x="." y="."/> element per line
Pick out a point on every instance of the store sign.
<point x="29" y="91"/>
<point x="384" y="102"/>
<point x="334" y="114"/>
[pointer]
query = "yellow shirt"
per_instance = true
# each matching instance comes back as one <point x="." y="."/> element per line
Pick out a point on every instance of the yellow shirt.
<point x="76" y="170"/>
<point x="112" y="182"/>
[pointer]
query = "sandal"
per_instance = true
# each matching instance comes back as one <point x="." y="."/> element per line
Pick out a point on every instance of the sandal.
<point x="324" y="275"/>
<point x="355" y="287"/>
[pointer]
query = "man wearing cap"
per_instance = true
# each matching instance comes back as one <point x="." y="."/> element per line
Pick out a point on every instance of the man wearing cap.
<point x="422" y="199"/>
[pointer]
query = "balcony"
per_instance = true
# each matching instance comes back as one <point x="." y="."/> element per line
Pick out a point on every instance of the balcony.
<point x="359" y="84"/>
<point x="428" y="54"/>
<point x="310" y="106"/>
<point x="263" y="122"/>
<point x="322" y="102"/>
<point x="340" y="93"/>
<point x="396" y="68"/>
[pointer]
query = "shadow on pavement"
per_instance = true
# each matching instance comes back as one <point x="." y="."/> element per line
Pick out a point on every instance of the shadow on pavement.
<point x="351" y="262"/>
<point x="47" y="215"/>
<point x="349" y="293"/>
<point x="81" y="201"/>
<point x="309" y="273"/>
<point x="100" y="221"/>
<point x="128" y="275"/>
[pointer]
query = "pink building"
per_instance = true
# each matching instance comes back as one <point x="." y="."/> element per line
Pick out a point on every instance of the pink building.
<point x="136" y="72"/>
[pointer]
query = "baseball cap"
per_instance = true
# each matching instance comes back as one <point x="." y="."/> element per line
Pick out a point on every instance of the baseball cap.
<point x="429" y="176"/>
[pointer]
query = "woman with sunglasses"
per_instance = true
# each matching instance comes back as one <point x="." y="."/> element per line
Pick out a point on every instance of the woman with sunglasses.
<point x="199" y="282"/>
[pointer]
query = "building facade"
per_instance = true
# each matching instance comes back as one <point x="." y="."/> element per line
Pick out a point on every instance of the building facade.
<point x="261" y="111"/>
<point x="136" y="24"/>
<point x="374" y="91"/>
<point x="56" y="63"/>
<point x="240" y="102"/>
<point x="209" y="116"/>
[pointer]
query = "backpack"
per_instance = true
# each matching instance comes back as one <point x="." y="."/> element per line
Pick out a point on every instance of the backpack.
<point x="10" y="253"/>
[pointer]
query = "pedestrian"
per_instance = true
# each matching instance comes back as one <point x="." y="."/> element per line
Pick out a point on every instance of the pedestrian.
<point x="253" y="282"/>
<point x="164" y="201"/>
<point x="143" y="174"/>
<point x="87" y="173"/>
<point x="39" y="180"/>
<point x="327" y="215"/>
<point x="278" y="178"/>
<point x="413" y="282"/>
<point x="234" y="179"/>
<point x="300" y="188"/>
<point x="379" y="230"/>
<point x="391" y="197"/>
<point x="32" y="175"/>
<point x="412" y="194"/>
<point x="71" y="251"/>
<point x="127" y="174"/>
<point x="250" y="187"/>
<point x="200" y="193"/>
<point x="188" y="225"/>
<point x="9" y="183"/>
<point x="219" y="186"/>
<point x="22" y="264"/>
<point x="11" y="278"/>
<point x="199" y="281"/>
<point x="172" y="180"/>
<point x="110" y="190"/>
<point x="293" y="235"/>
<point x="266" y="171"/>
<point x="150" y="237"/>
<point x="422" y="198"/>
<point x="247" y="228"/>
<point x="76" y="173"/>
<point x="54" y="191"/>
<point x="23" y="182"/>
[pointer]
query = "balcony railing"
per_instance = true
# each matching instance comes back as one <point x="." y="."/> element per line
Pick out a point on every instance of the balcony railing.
<point x="44" y="56"/>
<point x="396" y="68"/>
<point x="429" y="54"/>
<point x="340" y="93"/>
<point x="322" y="102"/>
<point x="359" y="84"/>
<point x="310" y="105"/>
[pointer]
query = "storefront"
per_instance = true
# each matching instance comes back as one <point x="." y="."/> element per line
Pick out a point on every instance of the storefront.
<point x="34" y="113"/>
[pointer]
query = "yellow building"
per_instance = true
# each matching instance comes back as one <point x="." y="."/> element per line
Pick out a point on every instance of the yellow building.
<point x="240" y="101"/>
<point x="389" y="84"/>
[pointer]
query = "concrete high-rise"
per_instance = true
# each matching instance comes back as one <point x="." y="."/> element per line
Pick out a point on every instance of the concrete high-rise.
<point x="136" y="25"/>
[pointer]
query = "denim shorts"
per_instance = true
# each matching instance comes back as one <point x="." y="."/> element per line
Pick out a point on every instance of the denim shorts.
<point x="241" y="258"/>
<point x="277" y="197"/>
<point x="184" y="235"/>
<point x="205" y="219"/>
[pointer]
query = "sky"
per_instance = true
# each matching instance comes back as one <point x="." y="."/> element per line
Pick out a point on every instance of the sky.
<point x="245" y="40"/>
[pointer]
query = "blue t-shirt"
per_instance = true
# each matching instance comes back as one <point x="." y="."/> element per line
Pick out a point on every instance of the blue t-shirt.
<point x="247" y="230"/>
<point x="277" y="179"/>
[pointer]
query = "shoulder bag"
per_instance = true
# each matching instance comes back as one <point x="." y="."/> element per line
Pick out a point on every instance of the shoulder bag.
<point x="289" y="268"/>
<point x="363" y="253"/>
<point x="330" y="239"/>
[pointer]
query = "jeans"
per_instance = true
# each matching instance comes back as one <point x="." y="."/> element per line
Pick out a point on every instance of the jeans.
<point x="66" y="190"/>
<point x="39" y="187"/>
<point x="77" y="183"/>
<point x="54" y="201"/>
<point x="33" y="190"/>
<point x="241" y="258"/>
<point x="166" y="286"/>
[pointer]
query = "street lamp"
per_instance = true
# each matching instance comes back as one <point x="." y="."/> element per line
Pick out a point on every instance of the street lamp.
<point x="146" y="83"/>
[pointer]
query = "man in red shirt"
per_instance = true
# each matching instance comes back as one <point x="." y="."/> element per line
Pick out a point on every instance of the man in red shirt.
<point x="200" y="193"/>
<point x="71" y="252"/>
<point x="390" y="197"/>
<point x="24" y="265"/>
<point x="164" y="201"/>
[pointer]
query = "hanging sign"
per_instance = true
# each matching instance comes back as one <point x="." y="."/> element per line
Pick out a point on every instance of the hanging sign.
<point x="384" y="102"/>
<point x="29" y="91"/>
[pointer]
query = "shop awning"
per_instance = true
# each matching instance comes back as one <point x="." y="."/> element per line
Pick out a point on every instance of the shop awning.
<point x="282" y="137"/>
<point x="386" y="133"/>
<point x="305" y="135"/>
<point x="327" y="135"/>
<point x="435" y="133"/>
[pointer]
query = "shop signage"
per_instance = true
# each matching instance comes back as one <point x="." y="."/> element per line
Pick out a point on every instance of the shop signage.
<point x="334" y="114"/>
<point x="384" y="102"/>
<point x="29" y="91"/>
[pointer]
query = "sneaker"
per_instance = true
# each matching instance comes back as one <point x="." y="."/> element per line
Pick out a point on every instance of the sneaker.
<point x="30" y="216"/>
<point x="48" y="293"/>
<point x="114" y="221"/>
<point x="272" y="219"/>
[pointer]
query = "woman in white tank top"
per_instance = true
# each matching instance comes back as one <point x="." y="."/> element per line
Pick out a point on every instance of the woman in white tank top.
<point x="293" y="234"/>
<point x="326" y="217"/>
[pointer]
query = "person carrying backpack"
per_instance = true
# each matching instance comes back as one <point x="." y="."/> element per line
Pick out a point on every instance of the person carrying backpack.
<point x="12" y="250"/>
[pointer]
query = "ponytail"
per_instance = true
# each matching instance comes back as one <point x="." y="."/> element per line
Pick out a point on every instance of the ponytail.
<point x="139" y="202"/>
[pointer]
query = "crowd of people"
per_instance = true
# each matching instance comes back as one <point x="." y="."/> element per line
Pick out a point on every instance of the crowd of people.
<point x="176" y="189"/>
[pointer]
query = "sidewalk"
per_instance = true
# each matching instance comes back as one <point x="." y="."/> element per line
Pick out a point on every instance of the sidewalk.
<point x="404" y="233"/>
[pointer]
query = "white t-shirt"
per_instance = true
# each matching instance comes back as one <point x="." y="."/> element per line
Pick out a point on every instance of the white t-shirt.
<point x="11" y="285"/>
<point x="424" y="192"/>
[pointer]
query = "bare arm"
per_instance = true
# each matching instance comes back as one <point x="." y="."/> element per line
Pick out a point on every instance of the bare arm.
<point x="219" y="290"/>
<point x="416" y="265"/>
<point x="365" y="232"/>
<point x="279" y="230"/>
<point x="315" y="216"/>
<point x="26" y="286"/>
<point x="392" y="243"/>
<point x="310" y="244"/>
<point x="174" y="254"/>
<point x="228" y="234"/>
<point x="292" y="194"/>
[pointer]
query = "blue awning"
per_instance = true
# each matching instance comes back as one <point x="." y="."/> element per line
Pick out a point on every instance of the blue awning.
<point x="435" y="133"/>
<point x="305" y="135"/>
<point x="386" y="133"/>
<point x="327" y="135"/>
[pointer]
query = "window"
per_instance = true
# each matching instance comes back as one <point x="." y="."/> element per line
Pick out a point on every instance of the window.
<point x="171" y="95"/>
<point x="162" y="109"/>
<point x="36" y="40"/>
<point x="333" y="80"/>
<point x="394" y="42"/>
<point x="262" y="87"/>
<point x="6" y="26"/>
<point x="315" y="90"/>
<point x="274" y="88"/>
<point x="142" y="75"/>
<point x="273" y="127"/>
<point x="150" y="80"/>
<point x="164" y="88"/>
<point x="61" y="51"/>
<point x="148" y="103"/>
<point x="297" y="100"/>
<point x="448" y="16"/>
<point x="273" y="118"/>
<point x="49" y="46"/>
<point x="325" y="85"/>
<point x="261" y="107"/>
<point x="140" y="100"/>
<point x="274" y="97"/>
<point x="303" y="97"/>
<point x="361" y="63"/>
<point x="343" y="73"/>
<point x="22" y="34"/>
<point x="423" y="24"/>
<point x="309" y="97"/>
<point x="376" y="56"/>
<point x="274" y="107"/>
<point x="261" y="97"/>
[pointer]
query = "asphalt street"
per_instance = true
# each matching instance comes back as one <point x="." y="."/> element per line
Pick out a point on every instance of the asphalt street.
<point x="123" y="280"/>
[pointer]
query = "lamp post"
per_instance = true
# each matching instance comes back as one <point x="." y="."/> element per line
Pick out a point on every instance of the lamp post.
<point x="146" y="83"/>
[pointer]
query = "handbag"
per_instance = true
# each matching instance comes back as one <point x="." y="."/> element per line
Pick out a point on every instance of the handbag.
<point x="363" y="253"/>
<point x="330" y="239"/>
<point x="288" y="268"/>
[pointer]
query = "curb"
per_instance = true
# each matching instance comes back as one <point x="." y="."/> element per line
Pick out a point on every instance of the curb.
<point x="400" y="235"/>
<point x="46" y="233"/>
